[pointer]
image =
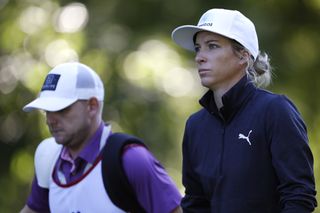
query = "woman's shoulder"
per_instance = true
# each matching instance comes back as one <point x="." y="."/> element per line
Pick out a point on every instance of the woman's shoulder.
<point x="274" y="102"/>
<point x="268" y="95"/>
<point x="273" y="98"/>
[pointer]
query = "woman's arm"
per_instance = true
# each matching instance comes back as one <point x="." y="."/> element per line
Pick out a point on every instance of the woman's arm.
<point x="291" y="157"/>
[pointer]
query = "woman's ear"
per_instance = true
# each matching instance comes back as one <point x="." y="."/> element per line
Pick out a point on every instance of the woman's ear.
<point x="244" y="57"/>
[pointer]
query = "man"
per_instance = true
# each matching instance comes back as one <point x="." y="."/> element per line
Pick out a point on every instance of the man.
<point x="68" y="166"/>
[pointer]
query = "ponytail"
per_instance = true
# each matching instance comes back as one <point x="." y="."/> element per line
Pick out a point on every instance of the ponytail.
<point x="259" y="71"/>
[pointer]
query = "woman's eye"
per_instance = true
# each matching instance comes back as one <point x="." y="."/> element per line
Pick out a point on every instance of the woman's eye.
<point x="196" y="49"/>
<point x="212" y="46"/>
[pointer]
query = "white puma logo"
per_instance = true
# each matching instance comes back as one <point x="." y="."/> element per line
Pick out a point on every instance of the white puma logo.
<point x="241" y="136"/>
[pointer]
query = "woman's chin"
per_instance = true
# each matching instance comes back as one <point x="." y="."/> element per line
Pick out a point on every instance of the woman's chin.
<point x="206" y="83"/>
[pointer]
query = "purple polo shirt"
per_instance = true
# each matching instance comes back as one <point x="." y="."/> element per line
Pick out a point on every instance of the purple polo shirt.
<point x="155" y="190"/>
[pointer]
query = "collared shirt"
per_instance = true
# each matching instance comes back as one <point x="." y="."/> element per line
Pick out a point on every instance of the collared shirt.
<point x="68" y="169"/>
<point x="155" y="190"/>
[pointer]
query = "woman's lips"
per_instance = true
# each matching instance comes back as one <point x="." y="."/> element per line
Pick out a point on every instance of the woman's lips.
<point x="203" y="71"/>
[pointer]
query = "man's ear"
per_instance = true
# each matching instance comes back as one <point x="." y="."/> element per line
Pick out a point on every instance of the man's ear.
<point x="93" y="105"/>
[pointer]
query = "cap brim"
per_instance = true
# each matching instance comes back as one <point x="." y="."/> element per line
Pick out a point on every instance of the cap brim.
<point x="49" y="104"/>
<point x="183" y="36"/>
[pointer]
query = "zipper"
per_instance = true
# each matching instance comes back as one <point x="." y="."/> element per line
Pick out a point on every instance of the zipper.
<point x="216" y="193"/>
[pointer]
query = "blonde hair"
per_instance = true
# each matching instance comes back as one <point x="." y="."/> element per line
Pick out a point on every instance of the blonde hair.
<point x="258" y="70"/>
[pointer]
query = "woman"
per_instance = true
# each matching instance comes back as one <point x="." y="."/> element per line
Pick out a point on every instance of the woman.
<point x="247" y="149"/>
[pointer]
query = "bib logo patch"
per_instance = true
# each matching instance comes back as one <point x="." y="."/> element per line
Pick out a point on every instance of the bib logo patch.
<point x="51" y="82"/>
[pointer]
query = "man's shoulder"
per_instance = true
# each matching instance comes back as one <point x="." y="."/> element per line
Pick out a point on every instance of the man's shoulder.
<point x="119" y="189"/>
<point x="47" y="148"/>
<point x="48" y="143"/>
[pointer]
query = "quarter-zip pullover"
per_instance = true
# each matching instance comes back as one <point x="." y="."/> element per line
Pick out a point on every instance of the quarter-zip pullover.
<point x="251" y="156"/>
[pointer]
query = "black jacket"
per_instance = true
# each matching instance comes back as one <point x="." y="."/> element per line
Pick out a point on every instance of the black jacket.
<point x="251" y="157"/>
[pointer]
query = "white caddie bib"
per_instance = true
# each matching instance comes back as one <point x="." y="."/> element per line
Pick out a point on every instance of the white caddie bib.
<point x="86" y="196"/>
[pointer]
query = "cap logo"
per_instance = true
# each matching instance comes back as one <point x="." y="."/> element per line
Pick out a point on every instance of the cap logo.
<point x="205" y="25"/>
<point x="51" y="82"/>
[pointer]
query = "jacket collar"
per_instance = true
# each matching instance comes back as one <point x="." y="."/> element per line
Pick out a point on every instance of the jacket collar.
<point x="232" y="100"/>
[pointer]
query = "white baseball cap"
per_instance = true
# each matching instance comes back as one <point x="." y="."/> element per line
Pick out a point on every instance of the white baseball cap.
<point x="64" y="85"/>
<point x="229" y="23"/>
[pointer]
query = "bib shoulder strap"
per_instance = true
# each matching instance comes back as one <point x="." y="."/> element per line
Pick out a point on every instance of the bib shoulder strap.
<point x="46" y="155"/>
<point x="114" y="178"/>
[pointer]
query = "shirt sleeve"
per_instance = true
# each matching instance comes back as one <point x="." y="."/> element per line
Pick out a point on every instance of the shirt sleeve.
<point x="38" y="199"/>
<point x="155" y="190"/>
<point x="291" y="157"/>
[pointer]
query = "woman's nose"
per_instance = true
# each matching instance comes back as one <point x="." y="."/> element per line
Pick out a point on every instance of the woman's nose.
<point x="200" y="57"/>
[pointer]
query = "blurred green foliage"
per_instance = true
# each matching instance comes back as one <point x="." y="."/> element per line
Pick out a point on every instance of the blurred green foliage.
<point x="151" y="85"/>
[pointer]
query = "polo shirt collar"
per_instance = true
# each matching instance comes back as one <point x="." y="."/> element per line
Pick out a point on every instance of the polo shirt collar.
<point x="90" y="152"/>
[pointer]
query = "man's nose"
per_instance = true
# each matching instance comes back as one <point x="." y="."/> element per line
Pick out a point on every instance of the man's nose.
<point x="51" y="118"/>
